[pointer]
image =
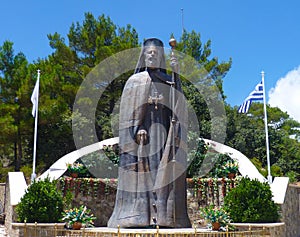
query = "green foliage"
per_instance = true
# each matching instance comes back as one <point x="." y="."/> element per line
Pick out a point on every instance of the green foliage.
<point x="276" y="171"/>
<point x="77" y="168"/>
<point x="218" y="170"/>
<point x="67" y="199"/>
<point x="13" y="102"/>
<point x="62" y="73"/>
<point x="215" y="214"/>
<point x="251" y="202"/>
<point x="202" y="83"/>
<point x="204" y="162"/>
<point x="196" y="156"/>
<point x="41" y="203"/>
<point x="246" y="133"/>
<point x="112" y="153"/>
<point x="257" y="163"/>
<point x="231" y="166"/>
<point x="103" y="163"/>
<point x="292" y="175"/>
<point x="27" y="170"/>
<point x="4" y="171"/>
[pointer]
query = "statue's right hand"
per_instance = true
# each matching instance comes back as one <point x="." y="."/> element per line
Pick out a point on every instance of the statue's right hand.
<point x="141" y="137"/>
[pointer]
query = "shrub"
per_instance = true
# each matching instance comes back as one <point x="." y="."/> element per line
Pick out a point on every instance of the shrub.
<point x="292" y="175"/>
<point x="250" y="202"/>
<point x="4" y="171"/>
<point x="42" y="203"/>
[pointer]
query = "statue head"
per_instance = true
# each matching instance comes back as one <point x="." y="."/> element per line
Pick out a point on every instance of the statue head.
<point x="152" y="55"/>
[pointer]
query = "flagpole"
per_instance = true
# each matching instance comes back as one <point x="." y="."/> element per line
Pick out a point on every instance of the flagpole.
<point x="182" y="21"/>
<point x="266" y="129"/>
<point x="33" y="175"/>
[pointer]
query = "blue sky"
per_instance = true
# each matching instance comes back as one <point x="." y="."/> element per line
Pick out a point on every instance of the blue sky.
<point x="257" y="34"/>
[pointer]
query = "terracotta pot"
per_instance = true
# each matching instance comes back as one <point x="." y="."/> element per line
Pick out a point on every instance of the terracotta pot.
<point x="231" y="175"/>
<point x="77" y="226"/>
<point x="215" y="225"/>
<point x="189" y="181"/>
<point x="74" y="175"/>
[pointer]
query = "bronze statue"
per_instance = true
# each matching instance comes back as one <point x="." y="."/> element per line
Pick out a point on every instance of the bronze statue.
<point x="152" y="132"/>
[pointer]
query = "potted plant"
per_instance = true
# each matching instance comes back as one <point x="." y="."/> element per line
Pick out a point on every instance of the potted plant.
<point x="75" y="169"/>
<point x="216" y="216"/>
<point x="231" y="168"/>
<point x="78" y="217"/>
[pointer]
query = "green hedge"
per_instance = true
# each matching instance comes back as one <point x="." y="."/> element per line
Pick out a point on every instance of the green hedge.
<point x="251" y="202"/>
<point x="41" y="203"/>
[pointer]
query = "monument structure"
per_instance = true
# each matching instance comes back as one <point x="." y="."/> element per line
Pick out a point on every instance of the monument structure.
<point x="152" y="132"/>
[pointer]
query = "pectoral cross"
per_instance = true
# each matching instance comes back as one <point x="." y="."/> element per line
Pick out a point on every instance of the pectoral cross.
<point x="155" y="99"/>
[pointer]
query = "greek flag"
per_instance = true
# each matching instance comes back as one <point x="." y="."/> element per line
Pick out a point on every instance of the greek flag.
<point x="257" y="94"/>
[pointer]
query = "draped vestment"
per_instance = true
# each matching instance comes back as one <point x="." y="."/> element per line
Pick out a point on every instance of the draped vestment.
<point x="151" y="183"/>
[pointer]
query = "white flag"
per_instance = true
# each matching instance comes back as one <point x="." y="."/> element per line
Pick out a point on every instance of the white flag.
<point x="34" y="97"/>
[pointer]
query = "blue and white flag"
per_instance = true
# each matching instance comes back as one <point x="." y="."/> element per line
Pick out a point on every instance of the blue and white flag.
<point x="257" y="94"/>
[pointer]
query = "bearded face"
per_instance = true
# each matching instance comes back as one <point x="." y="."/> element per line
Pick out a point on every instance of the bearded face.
<point x="152" y="57"/>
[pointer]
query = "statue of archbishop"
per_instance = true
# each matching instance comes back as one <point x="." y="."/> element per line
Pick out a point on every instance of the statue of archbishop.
<point x="152" y="132"/>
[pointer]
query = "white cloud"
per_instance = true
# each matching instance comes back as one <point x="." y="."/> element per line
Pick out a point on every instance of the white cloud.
<point x="286" y="94"/>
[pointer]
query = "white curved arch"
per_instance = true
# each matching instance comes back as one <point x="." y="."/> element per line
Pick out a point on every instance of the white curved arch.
<point x="59" y="167"/>
<point x="246" y="167"/>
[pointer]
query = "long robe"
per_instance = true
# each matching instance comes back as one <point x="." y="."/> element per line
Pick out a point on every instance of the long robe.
<point x="151" y="183"/>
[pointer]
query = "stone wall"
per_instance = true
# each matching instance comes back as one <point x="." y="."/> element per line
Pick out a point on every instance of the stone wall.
<point x="2" y="197"/>
<point x="101" y="206"/>
<point x="9" y="210"/>
<point x="290" y="211"/>
<point x="99" y="195"/>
